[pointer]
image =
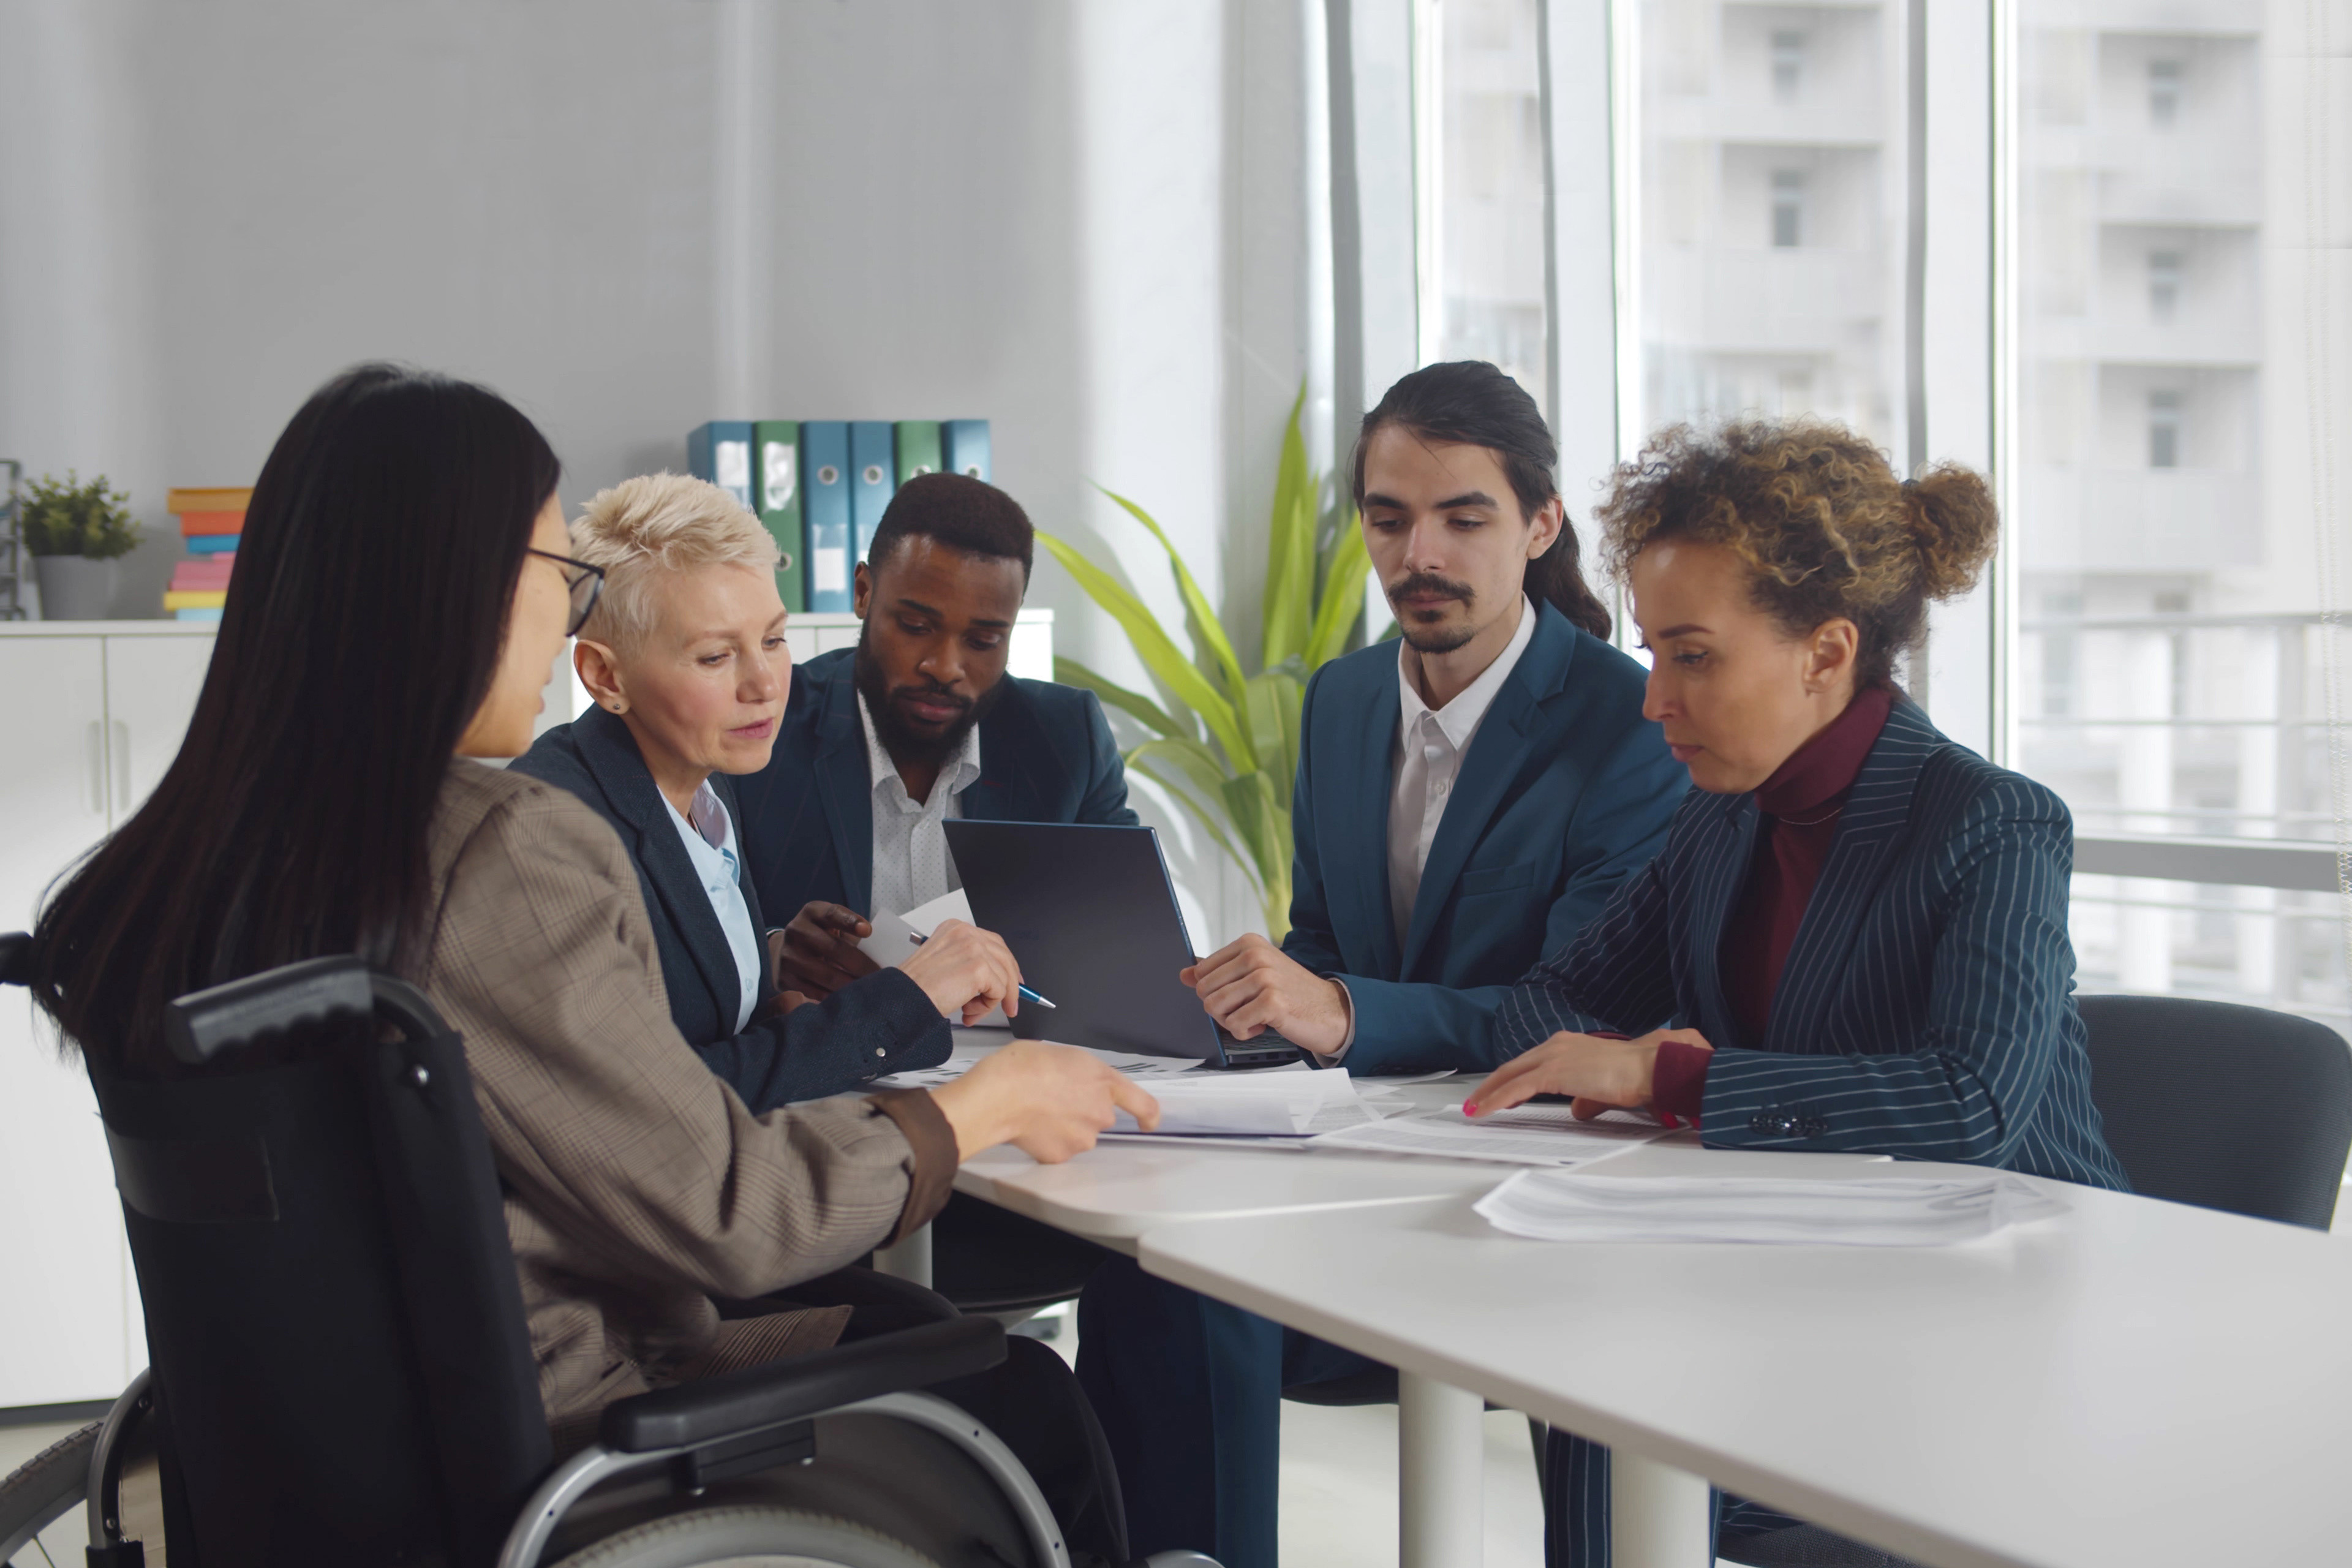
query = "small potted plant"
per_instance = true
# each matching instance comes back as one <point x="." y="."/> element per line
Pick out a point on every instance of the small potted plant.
<point x="75" y="534"/>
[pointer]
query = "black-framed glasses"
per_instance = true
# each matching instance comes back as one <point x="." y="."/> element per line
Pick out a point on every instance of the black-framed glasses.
<point x="586" y="584"/>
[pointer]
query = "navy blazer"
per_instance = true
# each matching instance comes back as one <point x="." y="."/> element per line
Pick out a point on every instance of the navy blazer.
<point x="883" y="1023"/>
<point x="1927" y="1008"/>
<point x="1045" y="755"/>
<point x="1566" y="792"/>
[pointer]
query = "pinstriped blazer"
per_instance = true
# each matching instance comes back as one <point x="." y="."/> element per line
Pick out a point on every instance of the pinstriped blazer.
<point x="1927" y="1008"/>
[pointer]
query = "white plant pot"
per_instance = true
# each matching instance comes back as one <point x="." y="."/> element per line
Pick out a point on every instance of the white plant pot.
<point x="74" y="587"/>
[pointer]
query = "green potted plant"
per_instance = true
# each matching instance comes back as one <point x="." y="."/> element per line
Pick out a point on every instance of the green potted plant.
<point x="75" y="534"/>
<point x="1225" y="744"/>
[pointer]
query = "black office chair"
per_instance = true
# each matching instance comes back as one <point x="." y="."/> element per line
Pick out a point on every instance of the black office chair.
<point x="989" y="1260"/>
<point x="2231" y="1108"/>
<point x="341" y="1370"/>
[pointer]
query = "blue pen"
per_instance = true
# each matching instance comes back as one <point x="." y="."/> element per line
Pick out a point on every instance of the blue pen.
<point x="1034" y="997"/>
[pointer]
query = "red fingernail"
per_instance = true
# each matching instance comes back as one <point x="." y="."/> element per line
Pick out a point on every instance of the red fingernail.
<point x="1469" y="1108"/>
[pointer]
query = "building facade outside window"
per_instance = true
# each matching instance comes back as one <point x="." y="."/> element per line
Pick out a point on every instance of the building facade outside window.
<point x="1490" y="202"/>
<point x="1771" y="176"/>
<point x="2168" y="570"/>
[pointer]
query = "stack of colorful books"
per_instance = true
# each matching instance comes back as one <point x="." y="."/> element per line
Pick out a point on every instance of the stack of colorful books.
<point x="210" y="522"/>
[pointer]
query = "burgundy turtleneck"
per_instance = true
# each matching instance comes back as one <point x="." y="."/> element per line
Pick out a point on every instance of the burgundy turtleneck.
<point x="1798" y="810"/>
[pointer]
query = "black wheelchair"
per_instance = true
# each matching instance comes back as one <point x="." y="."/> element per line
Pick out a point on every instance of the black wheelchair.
<point x="340" y="1370"/>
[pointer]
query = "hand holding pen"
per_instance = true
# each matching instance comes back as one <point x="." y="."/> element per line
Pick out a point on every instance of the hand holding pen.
<point x="966" y="972"/>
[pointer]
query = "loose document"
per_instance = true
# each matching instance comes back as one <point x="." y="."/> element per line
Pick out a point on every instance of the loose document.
<point x="1895" y="1211"/>
<point x="898" y="938"/>
<point x="1525" y="1135"/>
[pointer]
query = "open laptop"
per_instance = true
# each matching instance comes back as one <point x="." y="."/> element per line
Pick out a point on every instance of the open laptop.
<point x="1091" y="917"/>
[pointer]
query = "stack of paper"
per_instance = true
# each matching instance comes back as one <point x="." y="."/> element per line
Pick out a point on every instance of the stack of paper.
<point x="1251" y="1105"/>
<point x="1526" y="1135"/>
<point x="1898" y="1211"/>
<point x="970" y="1048"/>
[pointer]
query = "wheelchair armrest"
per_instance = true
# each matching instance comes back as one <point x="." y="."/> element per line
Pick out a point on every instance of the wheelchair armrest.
<point x="711" y="1409"/>
<point x="16" y="958"/>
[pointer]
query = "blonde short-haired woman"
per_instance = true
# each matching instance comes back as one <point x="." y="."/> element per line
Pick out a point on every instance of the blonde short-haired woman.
<point x="684" y="656"/>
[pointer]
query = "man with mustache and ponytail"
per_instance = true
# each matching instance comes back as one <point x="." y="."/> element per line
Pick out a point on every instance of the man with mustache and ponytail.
<point x="1468" y="797"/>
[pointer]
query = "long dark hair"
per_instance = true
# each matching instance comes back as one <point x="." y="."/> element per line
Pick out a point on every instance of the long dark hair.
<point x="1472" y="403"/>
<point x="364" y="628"/>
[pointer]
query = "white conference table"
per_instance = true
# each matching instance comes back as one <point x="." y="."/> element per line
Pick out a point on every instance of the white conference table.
<point x="1122" y="1192"/>
<point x="2132" y="1382"/>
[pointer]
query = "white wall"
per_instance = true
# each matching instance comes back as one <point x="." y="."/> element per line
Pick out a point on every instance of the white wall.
<point x="1087" y="223"/>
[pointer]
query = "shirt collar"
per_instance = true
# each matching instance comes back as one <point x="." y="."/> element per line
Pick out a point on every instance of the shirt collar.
<point x="1825" y="767"/>
<point x="961" y="772"/>
<point x="1458" y="719"/>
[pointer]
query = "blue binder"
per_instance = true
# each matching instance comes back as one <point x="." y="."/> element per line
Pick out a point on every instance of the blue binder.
<point x="825" y="484"/>
<point x="963" y="447"/>
<point x="873" y="479"/>
<point x="720" y="451"/>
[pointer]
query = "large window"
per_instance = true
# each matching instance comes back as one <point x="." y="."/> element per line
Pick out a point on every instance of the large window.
<point x="2109" y="246"/>
<point x="2171" y="656"/>
<point x="1489" y="200"/>
<point x="1770" y="261"/>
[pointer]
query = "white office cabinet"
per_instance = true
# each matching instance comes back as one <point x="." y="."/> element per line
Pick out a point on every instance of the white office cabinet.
<point x="65" y="1328"/>
<point x="151" y="684"/>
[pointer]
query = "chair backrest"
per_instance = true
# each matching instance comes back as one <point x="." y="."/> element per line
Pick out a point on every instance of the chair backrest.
<point x="333" y="1316"/>
<point x="2225" y="1107"/>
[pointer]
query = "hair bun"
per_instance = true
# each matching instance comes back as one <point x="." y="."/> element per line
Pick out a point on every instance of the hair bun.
<point x="1957" y="525"/>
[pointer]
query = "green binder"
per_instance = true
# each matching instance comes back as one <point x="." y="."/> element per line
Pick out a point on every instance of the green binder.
<point x="776" y="486"/>
<point x="918" y="448"/>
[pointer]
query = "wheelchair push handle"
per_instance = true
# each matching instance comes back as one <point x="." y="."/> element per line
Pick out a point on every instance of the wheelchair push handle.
<point x="16" y="958"/>
<point x="203" y="1024"/>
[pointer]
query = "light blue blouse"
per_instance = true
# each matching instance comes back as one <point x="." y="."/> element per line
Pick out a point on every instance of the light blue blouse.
<point x="710" y="838"/>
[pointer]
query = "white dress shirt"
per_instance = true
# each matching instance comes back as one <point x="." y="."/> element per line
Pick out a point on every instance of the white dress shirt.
<point x="710" y="838"/>
<point x="911" y="863"/>
<point x="1423" y="767"/>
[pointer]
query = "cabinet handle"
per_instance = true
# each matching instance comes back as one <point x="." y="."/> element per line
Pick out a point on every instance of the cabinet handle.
<point x="97" y="768"/>
<point x="122" y="766"/>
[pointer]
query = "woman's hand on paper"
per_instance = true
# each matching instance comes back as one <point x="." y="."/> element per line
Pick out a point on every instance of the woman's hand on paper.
<point x="1051" y="1101"/>
<point x="1599" y="1073"/>
<point x="817" y="954"/>
<point x="966" y="971"/>
<point x="1251" y="985"/>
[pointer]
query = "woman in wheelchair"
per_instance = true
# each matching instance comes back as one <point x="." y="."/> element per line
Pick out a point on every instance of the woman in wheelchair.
<point x="404" y="587"/>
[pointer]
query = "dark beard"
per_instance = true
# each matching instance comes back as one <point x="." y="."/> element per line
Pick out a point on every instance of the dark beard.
<point x="1432" y="639"/>
<point x="907" y="745"/>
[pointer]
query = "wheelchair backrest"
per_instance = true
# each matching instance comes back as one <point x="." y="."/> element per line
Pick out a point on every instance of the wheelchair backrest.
<point x="333" y="1316"/>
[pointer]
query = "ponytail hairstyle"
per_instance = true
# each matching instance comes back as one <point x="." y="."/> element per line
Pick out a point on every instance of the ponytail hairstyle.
<point x="363" y="629"/>
<point x="1817" y="517"/>
<point x="1471" y="403"/>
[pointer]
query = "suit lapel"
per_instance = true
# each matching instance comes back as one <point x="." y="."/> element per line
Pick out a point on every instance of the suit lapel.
<point x="1363" y="792"/>
<point x="846" y="785"/>
<point x="1509" y="731"/>
<point x="610" y="752"/>
<point x="1871" y="830"/>
<point x="1013" y="754"/>
<point x="1721" y="874"/>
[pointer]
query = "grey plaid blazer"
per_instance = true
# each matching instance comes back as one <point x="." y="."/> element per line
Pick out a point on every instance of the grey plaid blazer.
<point x="638" y="1185"/>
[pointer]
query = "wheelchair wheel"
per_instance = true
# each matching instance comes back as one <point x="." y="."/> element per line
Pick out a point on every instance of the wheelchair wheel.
<point x="749" y="1537"/>
<point x="48" y="1487"/>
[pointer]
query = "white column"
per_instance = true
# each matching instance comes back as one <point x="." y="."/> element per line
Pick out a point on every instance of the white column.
<point x="1657" y="1515"/>
<point x="909" y="1259"/>
<point x="1441" y="1466"/>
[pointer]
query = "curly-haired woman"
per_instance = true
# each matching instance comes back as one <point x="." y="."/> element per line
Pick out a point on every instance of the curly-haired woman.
<point x="1855" y="937"/>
